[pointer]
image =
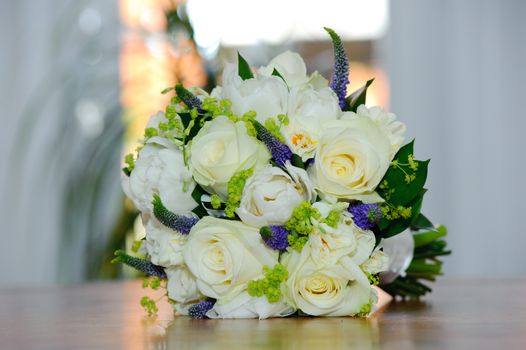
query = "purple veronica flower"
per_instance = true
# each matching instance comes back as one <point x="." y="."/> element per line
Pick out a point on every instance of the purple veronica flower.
<point x="365" y="216"/>
<point x="340" y="74"/>
<point x="200" y="309"/>
<point x="275" y="237"/>
<point x="189" y="99"/>
<point x="280" y="152"/>
<point x="180" y="223"/>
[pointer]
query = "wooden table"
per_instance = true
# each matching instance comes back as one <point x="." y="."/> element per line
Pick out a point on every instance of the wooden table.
<point x="461" y="314"/>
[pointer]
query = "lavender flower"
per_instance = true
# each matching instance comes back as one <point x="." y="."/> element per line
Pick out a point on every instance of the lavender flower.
<point x="180" y="223"/>
<point x="200" y="309"/>
<point x="365" y="216"/>
<point x="139" y="264"/>
<point x="280" y="152"/>
<point x="187" y="97"/>
<point x="276" y="237"/>
<point x="340" y="74"/>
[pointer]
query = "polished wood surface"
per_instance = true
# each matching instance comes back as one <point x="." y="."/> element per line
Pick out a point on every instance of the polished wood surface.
<point x="460" y="314"/>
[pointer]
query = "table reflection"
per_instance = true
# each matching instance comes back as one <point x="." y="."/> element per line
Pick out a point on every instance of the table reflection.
<point x="292" y="333"/>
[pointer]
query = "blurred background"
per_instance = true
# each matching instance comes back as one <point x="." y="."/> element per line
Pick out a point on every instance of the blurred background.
<point x="80" y="78"/>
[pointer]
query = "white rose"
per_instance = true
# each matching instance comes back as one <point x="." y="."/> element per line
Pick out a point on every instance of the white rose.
<point x="340" y="289"/>
<point x="246" y="306"/>
<point x="220" y="149"/>
<point x="394" y="129"/>
<point x="270" y="195"/>
<point x="160" y="170"/>
<point x="164" y="245"/>
<point x="328" y="244"/>
<point x="182" y="286"/>
<point x="267" y="96"/>
<point x="292" y="68"/>
<point x="378" y="262"/>
<point x="308" y="111"/>
<point x="224" y="255"/>
<point x="351" y="160"/>
<point x="366" y="241"/>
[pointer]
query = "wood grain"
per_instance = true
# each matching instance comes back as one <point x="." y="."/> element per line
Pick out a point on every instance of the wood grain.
<point x="460" y="314"/>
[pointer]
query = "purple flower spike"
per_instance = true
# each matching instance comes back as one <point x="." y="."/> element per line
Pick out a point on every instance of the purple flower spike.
<point x="200" y="309"/>
<point x="275" y="237"/>
<point x="340" y="73"/>
<point x="180" y="223"/>
<point x="280" y="152"/>
<point x="365" y="216"/>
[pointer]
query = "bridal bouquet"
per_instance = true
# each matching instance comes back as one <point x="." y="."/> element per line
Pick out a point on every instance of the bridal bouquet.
<point x="276" y="194"/>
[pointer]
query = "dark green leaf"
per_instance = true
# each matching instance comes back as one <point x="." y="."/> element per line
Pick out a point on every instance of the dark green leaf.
<point x="400" y="190"/>
<point x="357" y="98"/>
<point x="297" y="161"/>
<point x="278" y="74"/>
<point x="421" y="222"/>
<point x="393" y="227"/>
<point x="243" y="69"/>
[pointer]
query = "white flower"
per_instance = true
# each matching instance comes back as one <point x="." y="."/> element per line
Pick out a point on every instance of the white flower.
<point x="267" y="96"/>
<point x="164" y="245"/>
<point x="328" y="244"/>
<point x="220" y="149"/>
<point x="340" y="289"/>
<point x="394" y="129"/>
<point x="160" y="170"/>
<point x="351" y="159"/>
<point x="292" y="68"/>
<point x="270" y="195"/>
<point x="308" y="111"/>
<point x="246" y="306"/>
<point x="225" y="255"/>
<point x="378" y="262"/>
<point x="182" y="286"/>
<point x="366" y="241"/>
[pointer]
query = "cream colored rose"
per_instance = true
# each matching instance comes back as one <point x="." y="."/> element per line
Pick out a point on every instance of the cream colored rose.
<point x="160" y="170"/>
<point x="222" y="148"/>
<point x="351" y="159"/>
<point x="164" y="245"/>
<point x="292" y="68"/>
<point x="308" y="111"/>
<point x="246" y="306"/>
<point x="394" y="129"/>
<point x="267" y="96"/>
<point x="340" y="289"/>
<point x="378" y="262"/>
<point x="270" y="195"/>
<point x="182" y="286"/>
<point x="224" y="255"/>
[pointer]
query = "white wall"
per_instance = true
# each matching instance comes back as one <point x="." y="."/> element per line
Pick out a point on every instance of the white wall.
<point x="457" y="74"/>
<point x="54" y="55"/>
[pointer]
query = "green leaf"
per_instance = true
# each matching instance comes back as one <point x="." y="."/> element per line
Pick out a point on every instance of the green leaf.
<point x="196" y="195"/>
<point x="357" y="98"/>
<point x="277" y="74"/>
<point x="243" y="69"/>
<point x="421" y="222"/>
<point x="390" y="228"/>
<point x="426" y="237"/>
<point x="400" y="191"/>
<point x="297" y="161"/>
<point x="167" y="90"/>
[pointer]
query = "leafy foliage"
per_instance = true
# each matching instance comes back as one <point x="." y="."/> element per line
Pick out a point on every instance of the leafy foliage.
<point x="357" y="98"/>
<point x="243" y="68"/>
<point x="402" y="187"/>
